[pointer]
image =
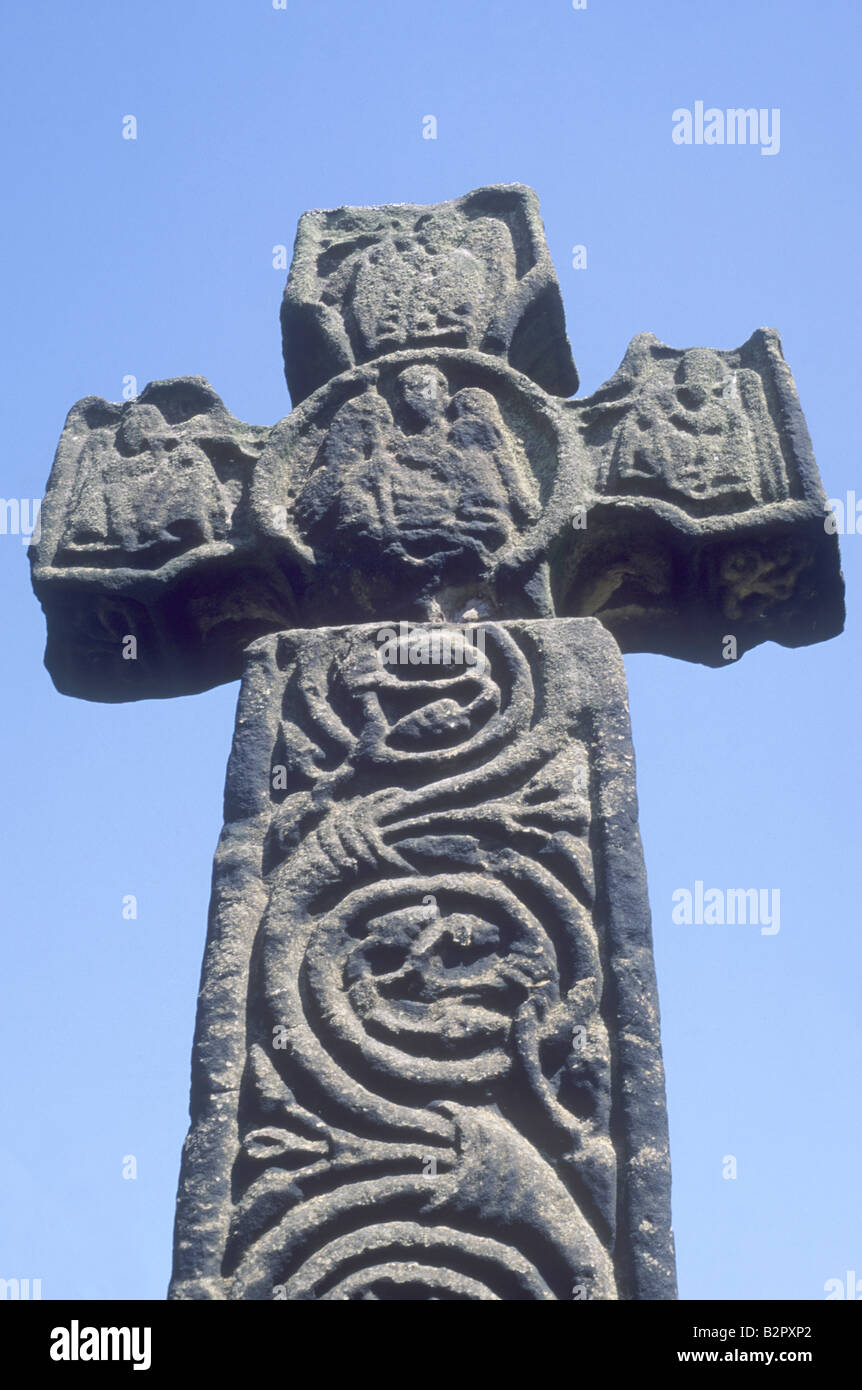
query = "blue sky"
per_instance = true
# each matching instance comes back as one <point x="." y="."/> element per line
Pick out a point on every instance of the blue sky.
<point x="153" y="258"/>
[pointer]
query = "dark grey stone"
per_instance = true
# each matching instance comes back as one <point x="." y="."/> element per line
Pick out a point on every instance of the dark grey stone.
<point x="427" y="1058"/>
<point x="146" y="531"/>
<point x="679" y="504"/>
<point x="471" y="273"/>
<point x="705" y="510"/>
<point x="422" y="484"/>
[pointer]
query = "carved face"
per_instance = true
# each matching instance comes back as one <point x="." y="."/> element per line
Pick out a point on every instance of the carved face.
<point x="754" y="579"/>
<point x="424" y="390"/>
<point x="141" y="427"/>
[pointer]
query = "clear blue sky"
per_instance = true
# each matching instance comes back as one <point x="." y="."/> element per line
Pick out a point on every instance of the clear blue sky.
<point x="154" y="258"/>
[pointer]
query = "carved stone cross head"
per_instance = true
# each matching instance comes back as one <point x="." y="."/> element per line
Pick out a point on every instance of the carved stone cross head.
<point x="432" y="468"/>
<point x="427" y="1061"/>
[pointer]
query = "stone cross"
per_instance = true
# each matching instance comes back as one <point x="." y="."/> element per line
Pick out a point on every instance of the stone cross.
<point x="427" y="1061"/>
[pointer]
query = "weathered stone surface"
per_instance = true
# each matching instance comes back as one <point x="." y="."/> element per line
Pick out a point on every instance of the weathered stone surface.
<point x="423" y="484"/>
<point x="678" y="504"/>
<point x="704" y="507"/>
<point x="427" y="1059"/>
<point x="471" y="273"/>
<point x="146" y="532"/>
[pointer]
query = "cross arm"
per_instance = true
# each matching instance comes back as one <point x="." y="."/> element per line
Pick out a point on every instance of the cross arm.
<point x="699" y="513"/>
<point x="147" y="563"/>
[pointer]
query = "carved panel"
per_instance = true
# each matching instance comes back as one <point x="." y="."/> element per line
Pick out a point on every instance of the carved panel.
<point x="446" y="1085"/>
<point x="423" y="479"/>
<point x="700" y="512"/>
<point x="146" y="533"/>
<point x="693" y="426"/>
<point x="137" y="484"/>
<point x="473" y="273"/>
